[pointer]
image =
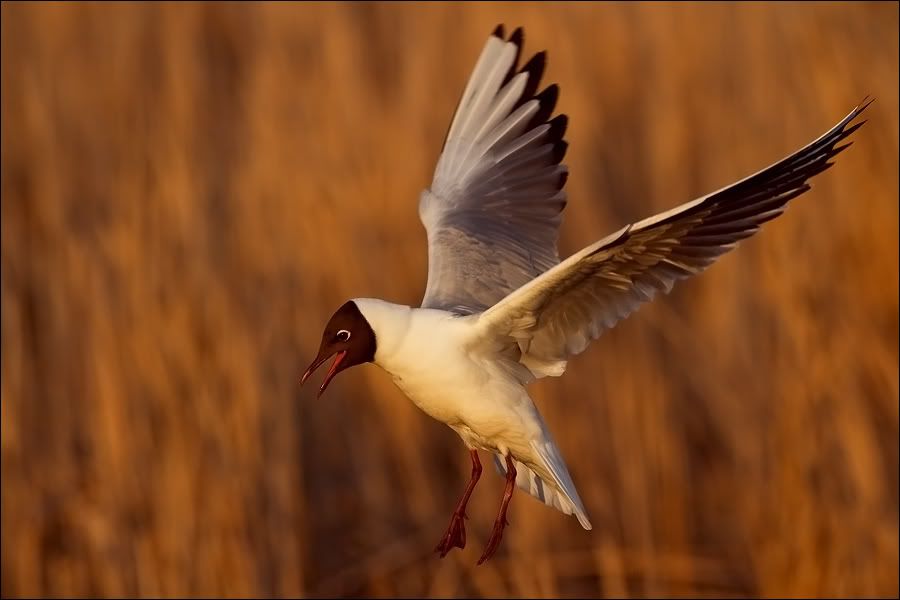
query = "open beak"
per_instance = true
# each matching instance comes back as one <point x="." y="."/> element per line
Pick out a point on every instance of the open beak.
<point x="331" y="372"/>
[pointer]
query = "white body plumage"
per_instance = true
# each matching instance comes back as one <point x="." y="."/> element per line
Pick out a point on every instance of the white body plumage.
<point x="442" y="364"/>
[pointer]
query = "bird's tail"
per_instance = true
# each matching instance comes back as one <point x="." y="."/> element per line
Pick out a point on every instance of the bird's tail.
<point x="553" y="486"/>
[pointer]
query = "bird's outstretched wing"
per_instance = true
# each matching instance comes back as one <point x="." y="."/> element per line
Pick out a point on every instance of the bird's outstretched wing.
<point x="492" y="213"/>
<point x="559" y="313"/>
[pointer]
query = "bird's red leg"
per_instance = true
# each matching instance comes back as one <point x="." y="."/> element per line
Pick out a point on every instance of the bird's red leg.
<point x="501" y="522"/>
<point x="456" y="531"/>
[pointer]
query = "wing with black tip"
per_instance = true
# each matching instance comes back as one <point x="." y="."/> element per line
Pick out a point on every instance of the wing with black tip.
<point x="494" y="208"/>
<point x="558" y="313"/>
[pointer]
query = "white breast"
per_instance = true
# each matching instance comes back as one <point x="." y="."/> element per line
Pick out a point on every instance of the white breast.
<point x="433" y="367"/>
<point x="427" y="353"/>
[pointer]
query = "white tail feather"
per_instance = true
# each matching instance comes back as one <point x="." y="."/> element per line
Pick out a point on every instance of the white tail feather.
<point x="560" y="494"/>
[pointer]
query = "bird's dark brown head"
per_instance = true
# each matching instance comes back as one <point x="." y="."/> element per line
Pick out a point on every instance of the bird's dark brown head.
<point x="347" y="335"/>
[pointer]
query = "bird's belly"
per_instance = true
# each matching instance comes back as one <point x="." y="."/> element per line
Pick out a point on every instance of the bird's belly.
<point x="473" y="439"/>
<point x="480" y="413"/>
<point x="439" y="400"/>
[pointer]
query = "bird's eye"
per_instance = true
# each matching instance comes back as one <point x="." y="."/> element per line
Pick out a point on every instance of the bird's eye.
<point x="343" y="335"/>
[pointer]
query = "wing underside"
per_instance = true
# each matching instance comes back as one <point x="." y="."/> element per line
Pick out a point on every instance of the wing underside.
<point x="559" y="313"/>
<point x="493" y="210"/>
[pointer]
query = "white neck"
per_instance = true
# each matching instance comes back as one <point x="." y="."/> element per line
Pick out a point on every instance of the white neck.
<point x="390" y="322"/>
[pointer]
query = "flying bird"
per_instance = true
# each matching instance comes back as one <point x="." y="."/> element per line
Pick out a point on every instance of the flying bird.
<point x="500" y="310"/>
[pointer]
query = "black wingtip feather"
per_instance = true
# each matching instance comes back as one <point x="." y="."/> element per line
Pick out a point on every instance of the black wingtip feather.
<point x="559" y="151"/>
<point x="849" y="130"/>
<point x="782" y="181"/>
<point x="517" y="37"/>
<point x="558" y="126"/>
<point x="547" y="101"/>
<point x="838" y="149"/>
<point x="786" y="197"/>
<point x="535" y="69"/>
<point x="842" y="134"/>
<point x="499" y="32"/>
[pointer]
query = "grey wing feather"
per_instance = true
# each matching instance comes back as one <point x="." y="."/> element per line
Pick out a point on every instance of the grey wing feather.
<point x="559" y="313"/>
<point x="493" y="210"/>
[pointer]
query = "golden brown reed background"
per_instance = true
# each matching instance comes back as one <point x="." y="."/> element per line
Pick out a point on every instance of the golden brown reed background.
<point x="189" y="191"/>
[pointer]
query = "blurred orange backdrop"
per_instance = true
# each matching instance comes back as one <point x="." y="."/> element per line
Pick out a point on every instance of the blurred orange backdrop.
<point x="190" y="190"/>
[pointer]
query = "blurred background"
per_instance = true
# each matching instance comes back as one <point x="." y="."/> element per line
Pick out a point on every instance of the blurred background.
<point x="190" y="190"/>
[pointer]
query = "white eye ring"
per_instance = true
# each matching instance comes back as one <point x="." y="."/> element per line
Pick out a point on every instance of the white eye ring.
<point x="343" y="335"/>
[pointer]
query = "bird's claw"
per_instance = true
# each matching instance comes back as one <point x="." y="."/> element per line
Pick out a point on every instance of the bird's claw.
<point x="494" y="542"/>
<point x="455" y="536"/>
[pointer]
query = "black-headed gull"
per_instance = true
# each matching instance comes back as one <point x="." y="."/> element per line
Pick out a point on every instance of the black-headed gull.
<point x="500" y="309"/>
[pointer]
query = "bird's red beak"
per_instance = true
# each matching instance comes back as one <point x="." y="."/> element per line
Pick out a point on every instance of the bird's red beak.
<point x="339" y="357"/>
